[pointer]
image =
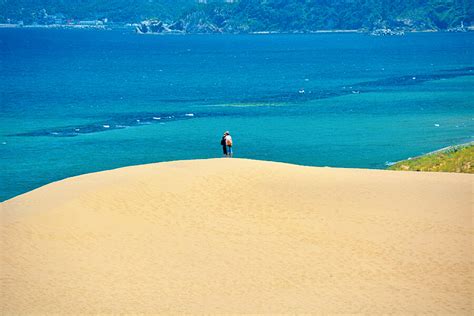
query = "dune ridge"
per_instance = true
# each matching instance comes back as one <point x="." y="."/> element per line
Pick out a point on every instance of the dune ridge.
<point x="240" y="236"/>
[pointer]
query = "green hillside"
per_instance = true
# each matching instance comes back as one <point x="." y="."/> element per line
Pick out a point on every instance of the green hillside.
<point x="31" y="11"/>
<point x="255" y="15"/>
<point x="455" y="159"/>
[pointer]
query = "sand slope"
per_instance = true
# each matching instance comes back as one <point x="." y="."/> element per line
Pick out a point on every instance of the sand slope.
<point x="232" y="235"/>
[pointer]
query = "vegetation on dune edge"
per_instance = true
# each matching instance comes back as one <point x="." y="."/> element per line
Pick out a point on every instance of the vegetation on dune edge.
<point x="453" y="159"/>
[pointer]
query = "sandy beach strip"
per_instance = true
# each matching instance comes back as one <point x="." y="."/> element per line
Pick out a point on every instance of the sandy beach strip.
<point x="240" y="236"/>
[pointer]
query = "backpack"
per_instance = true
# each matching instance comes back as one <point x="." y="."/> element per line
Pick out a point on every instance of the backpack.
<point x="228" y="141"/>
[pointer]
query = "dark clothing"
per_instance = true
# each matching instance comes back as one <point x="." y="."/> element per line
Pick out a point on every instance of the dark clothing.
<point x="224" y="147"/>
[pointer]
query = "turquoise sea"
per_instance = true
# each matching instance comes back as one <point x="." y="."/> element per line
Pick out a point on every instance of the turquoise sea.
<point x="79" y="101"/>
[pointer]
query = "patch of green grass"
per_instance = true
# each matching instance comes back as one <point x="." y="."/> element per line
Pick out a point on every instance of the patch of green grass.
<point x="455" y="159"/>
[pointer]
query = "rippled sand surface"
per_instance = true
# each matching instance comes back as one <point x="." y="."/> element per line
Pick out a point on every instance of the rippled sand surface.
<point x="242" y="236"/>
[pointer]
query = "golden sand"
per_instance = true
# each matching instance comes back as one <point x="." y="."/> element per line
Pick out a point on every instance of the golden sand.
<point x="241" y="236"/>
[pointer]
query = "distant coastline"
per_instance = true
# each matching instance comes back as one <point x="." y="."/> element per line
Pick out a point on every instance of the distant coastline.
<point x="53" y="26"/>
<point x="135" y="27"/>
<point x="64" y="26"/>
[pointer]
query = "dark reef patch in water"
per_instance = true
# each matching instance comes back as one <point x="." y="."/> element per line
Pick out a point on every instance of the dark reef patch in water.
<point x="463" y="69"/>
<point x="118" y="121"/>
<point x="367" y="86"/>
<point x="386" y="84"/>
<point x="410" y="80"/>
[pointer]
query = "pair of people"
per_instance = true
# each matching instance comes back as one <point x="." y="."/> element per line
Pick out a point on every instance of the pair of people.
<point x="226" y="143"/>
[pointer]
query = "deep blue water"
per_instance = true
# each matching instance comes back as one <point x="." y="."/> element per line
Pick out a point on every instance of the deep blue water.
<point x="78" y="101"/>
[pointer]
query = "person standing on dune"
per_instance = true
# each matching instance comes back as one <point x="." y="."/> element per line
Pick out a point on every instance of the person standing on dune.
<point x="224" y="145"/>
<point x="228" y="142"/>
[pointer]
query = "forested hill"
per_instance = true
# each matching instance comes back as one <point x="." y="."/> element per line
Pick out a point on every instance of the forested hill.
<point x="254" y="15"/>
<point x="37" y="11"/>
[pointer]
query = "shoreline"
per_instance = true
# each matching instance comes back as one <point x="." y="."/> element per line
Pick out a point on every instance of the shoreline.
<point x="131" y="27"/>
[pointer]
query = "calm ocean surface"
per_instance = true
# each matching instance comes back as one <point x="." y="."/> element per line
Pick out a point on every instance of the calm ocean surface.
<point x="79" y="101"/>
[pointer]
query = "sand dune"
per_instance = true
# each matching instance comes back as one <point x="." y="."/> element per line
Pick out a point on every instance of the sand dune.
<point x="233" y="235"/>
